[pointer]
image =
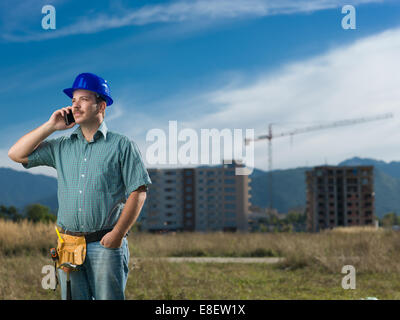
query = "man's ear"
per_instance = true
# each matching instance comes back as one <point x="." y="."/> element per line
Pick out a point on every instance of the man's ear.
<point x="102" y="106"/>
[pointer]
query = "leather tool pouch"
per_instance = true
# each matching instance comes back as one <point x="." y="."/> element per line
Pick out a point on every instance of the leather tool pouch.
<point x="72" y="249"/>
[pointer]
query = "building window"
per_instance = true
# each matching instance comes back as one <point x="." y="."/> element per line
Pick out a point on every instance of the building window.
<point x="230" y="214"/>
<point x="227" y="189"/>
<point x="230" y="206"/>
<point x="229" y="173"/>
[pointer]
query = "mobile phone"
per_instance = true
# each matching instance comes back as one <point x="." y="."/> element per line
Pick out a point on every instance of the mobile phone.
<point x="69" y="118"/>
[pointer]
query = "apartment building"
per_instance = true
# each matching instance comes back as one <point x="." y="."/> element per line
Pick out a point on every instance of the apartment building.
<point x="197" y="199"/>
<point x="340" y="196"/>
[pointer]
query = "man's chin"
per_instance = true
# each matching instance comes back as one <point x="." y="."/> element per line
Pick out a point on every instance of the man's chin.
<point x="79" y="120"/>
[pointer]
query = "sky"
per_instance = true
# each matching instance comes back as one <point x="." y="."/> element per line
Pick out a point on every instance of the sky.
<point x="212" y="64"/>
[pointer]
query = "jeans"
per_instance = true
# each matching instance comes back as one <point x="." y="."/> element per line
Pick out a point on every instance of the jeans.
<point x="102" y="276"/>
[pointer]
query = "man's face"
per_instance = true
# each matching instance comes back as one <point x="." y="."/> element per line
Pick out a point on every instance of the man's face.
<point x="84" y="106"/>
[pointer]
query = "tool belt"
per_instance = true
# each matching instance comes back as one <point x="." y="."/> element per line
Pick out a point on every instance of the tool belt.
<point x="72" y="247"/>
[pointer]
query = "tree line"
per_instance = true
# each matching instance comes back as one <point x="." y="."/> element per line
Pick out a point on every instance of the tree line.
<point x="293" y="221"/>
<point x="33" y="212"/>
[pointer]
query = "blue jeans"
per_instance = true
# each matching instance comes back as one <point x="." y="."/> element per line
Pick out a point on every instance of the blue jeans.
<point x="102" y="276"/>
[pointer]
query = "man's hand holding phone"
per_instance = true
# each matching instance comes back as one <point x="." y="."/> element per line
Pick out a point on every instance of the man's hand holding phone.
<point x="62" y="119"/>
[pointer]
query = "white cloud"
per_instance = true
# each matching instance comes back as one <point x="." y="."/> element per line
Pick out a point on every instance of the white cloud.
<point x="359" y="80"/>
<point x="201" y="11"/>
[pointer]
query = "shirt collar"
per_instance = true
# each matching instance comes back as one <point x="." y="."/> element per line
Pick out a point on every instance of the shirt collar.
<point x="102" y="129"/>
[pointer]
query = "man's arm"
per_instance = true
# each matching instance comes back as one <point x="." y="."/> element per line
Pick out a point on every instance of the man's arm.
<point x="20" y="151"/>
<point x="126" y="220"/>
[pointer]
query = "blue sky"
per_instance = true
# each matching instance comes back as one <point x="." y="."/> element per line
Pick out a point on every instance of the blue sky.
<point x="211" y="64"/>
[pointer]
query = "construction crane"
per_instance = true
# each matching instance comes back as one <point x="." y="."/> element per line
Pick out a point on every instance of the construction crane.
<point x="270" y="136"/>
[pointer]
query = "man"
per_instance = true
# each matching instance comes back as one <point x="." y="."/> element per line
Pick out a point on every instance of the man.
<point x="96" y="169"/>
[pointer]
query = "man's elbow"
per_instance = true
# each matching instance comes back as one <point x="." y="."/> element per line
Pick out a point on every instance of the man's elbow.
<point x="11" y="155"/>
<point x="15" y="158"/>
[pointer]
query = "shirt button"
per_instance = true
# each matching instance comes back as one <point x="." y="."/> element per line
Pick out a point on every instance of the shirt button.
<point x="80" y="209"/>
<point x="83" y="176"/>
<point x="80" y="191"/>
<point x="84" y="159"/>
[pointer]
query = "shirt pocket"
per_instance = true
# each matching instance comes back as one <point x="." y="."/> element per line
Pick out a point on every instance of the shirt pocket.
<point x="108" y="178"/>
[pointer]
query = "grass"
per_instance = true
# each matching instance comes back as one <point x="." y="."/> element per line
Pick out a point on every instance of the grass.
<point x="311" y="270"/>
<point x="252" y="281"/>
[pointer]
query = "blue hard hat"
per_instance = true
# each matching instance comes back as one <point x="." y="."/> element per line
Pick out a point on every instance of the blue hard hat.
<point x="91" y="82"/>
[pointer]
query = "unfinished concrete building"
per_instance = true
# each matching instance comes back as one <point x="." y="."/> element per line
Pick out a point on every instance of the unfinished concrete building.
<point x="197" y="199"/>
<point x="340" y="196"/>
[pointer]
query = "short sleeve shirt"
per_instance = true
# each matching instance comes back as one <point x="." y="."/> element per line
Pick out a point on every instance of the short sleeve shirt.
<point x="94" y="178"/>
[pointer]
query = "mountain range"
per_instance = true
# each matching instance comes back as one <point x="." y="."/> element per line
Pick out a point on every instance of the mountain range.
<point x="289" y="186"/>
<point x="20" y="188"/>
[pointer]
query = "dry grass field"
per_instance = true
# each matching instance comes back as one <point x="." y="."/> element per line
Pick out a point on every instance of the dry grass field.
<point x="311" y="269"/>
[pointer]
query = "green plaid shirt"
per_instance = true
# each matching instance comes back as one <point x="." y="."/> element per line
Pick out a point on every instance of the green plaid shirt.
<point x="94" y="178"/>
